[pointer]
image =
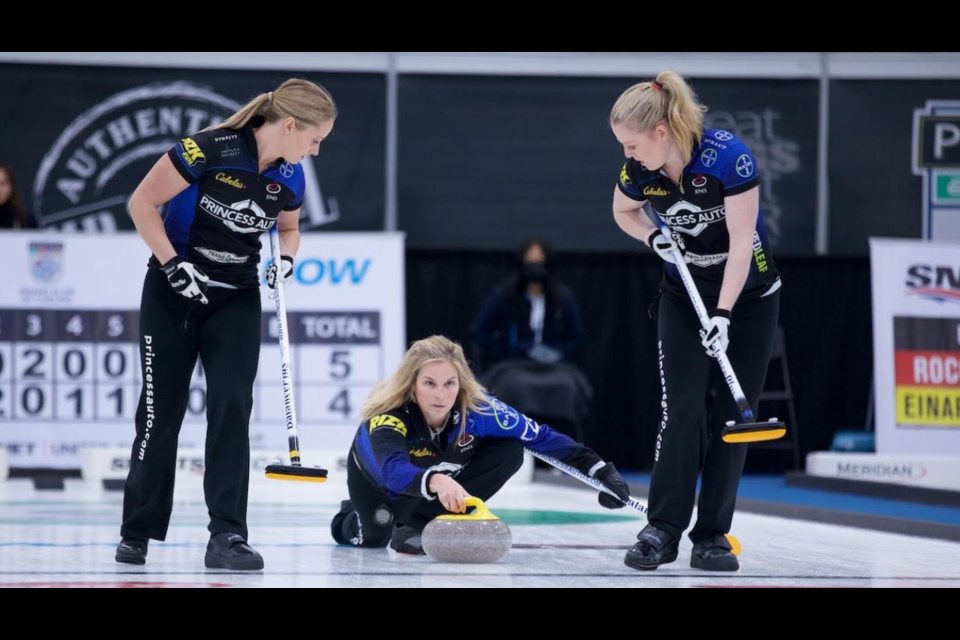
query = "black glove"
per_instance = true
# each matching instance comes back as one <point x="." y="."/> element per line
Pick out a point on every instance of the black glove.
<point x="611" y="479"/>
<point x="187" y="279"/>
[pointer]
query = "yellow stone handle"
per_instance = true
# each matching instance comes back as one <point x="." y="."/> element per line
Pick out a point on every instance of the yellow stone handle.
<point x="481" y="512"/>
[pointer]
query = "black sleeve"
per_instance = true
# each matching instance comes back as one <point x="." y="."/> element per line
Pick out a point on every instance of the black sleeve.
<point x="192" y="156"/>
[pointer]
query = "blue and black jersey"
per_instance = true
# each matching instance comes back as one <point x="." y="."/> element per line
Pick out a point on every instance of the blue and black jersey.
<point x="398" y="451"/>
<point x="721" y="166"/>
<point x="217" y="221"/>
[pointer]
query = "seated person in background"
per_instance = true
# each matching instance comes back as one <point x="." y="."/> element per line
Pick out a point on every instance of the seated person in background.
<point x="526" y="332"/>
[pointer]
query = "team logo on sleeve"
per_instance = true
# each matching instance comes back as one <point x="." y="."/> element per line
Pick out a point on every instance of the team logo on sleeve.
<point x="390" y="422"/>
<point x="192" y="154"/>
<point x="744" y="166"/>
<point x="286" y="170"/>
<point x="624" y="178"/>
<point x="723" y="136"/>
<point x="507" y="417"/>
<point x="531" y="430"/>
<point x="708" y="157"/>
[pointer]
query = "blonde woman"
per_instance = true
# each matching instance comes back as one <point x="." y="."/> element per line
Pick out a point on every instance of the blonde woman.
<point x="431" y="437"/>
<point x="705" y="186"/>
<point x="225" y="187"/>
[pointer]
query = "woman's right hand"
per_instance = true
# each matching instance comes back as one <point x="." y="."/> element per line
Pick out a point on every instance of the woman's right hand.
<point x="451" y="495"/>
<point x="664" y="246"/>
<point x="187" y="279"/>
